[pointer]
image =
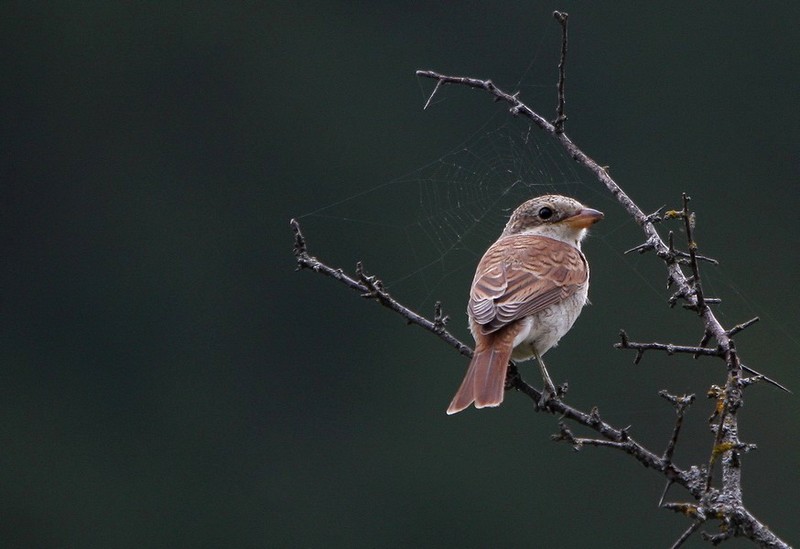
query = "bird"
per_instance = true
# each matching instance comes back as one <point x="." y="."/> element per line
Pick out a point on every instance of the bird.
<point x="528" y="290"/>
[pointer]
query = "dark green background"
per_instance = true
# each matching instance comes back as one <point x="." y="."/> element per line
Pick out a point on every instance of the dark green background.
<point x="167" y="379"/>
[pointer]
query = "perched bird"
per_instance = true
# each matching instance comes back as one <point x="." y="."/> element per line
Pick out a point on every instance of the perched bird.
<point x="528" y="290"/>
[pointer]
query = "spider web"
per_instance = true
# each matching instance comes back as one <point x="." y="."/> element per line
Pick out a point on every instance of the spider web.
<point x="424" y="232"/>
<point x="427" y="229"/>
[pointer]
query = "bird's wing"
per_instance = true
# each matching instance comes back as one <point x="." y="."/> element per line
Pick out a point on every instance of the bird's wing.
<point x="521" y="275"/>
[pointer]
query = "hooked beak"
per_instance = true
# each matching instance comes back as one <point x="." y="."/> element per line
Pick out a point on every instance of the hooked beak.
<point x="585" y="218"/>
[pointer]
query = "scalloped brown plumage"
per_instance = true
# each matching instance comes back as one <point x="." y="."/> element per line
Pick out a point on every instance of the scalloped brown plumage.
<point x="529" y="288"/>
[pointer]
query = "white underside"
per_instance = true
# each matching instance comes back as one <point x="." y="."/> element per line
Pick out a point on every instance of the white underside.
<point x="542" y="331"/>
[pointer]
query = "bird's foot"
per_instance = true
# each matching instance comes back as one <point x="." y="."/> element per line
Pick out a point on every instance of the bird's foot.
<point x="551" y="393"/>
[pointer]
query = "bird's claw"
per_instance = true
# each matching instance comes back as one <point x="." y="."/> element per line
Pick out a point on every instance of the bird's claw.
<point x="549" y="393"/>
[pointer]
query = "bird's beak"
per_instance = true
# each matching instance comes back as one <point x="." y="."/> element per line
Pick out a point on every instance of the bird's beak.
<point x="585" y="218"/>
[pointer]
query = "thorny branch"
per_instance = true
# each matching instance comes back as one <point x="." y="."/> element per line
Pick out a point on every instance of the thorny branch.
<point x="724" y="503"/>
<point x="371" y="288"/>
<point x="696" y="352"/>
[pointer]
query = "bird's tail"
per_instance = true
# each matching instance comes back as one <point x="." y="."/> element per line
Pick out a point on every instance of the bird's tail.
<point x="485" y="381"/>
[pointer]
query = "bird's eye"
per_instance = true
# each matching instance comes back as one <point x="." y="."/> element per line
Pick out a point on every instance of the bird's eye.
<point x="545" y="213"/>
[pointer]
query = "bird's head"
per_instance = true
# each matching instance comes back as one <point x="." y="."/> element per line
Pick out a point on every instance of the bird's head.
<point x="554" y="216"/>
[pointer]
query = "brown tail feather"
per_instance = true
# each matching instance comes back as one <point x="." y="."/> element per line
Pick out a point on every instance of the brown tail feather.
<point x="484" y="383"/>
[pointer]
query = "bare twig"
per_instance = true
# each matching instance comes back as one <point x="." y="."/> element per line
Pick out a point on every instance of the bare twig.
<point x="681" y="404"/>
<point x="696" y="352"/>
<point x="371" y="287"/>
<point x="682" y="257"/>
<point x="743" y="326"/>
<point x="642" y="248"/>
<point x="689" y="223"/>
<point x="668" y="348"/>
<point x="687" y="534"/>
<point x="561" y="118"/>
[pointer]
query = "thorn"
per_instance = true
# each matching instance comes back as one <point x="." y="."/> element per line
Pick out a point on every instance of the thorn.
<point x="641" y="248"/>
<point x="703" y="341"/>
<point x="771" y="381"/>
<point x="299" y="240"/>
<point x="708" y="301"/>
<point x="594" y="415"/>
<point x="439" y="318"/>
<point x="655" y="217"/>
<point x="743" y="326"/>
<point x="664" y="493"/>
<point x="435" y="89"/>
<point x="679" y="402"/>
<point x="566" y="435"/>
